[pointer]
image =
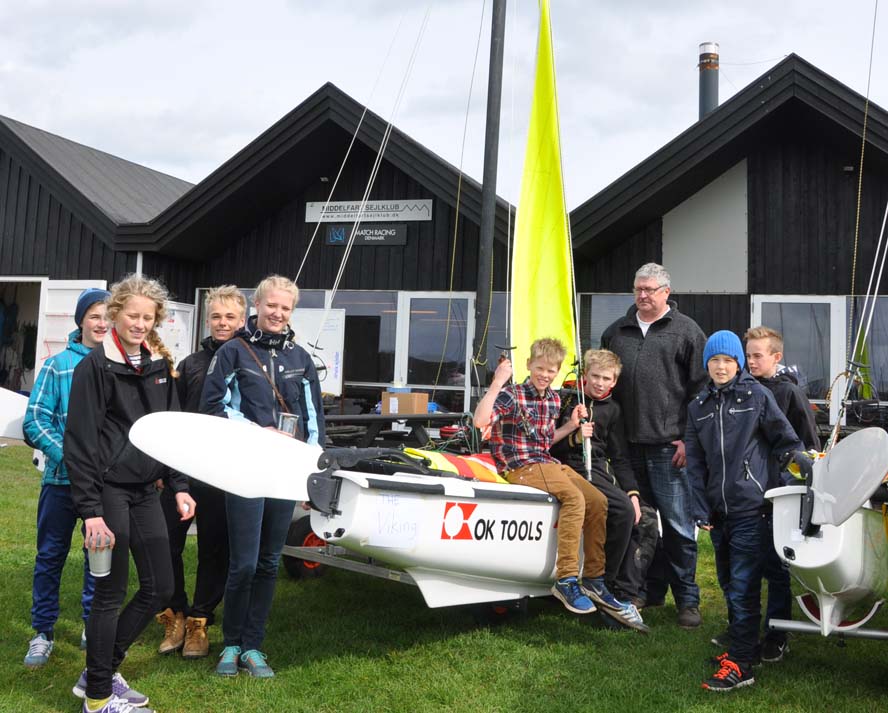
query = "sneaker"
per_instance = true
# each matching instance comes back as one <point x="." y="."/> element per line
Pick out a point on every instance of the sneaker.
<point x="83" y="639"/>
<point x="254" y="663"/>
<point x="570" y="594"/>
<point x="115" y="705"/>
<point x="729" y="676"/>
<point x="174" y="630"/>
<point x="39" y="649"/>
<point x="774" y="650"/>
<point x="196" y="645"/>
<point x="689" y="617"/>
<point x="629" y="616"/>
<point x="597" y="591"/>
<point x="717" y="660"/>
<point x="119" y="689"/>
<point x="227" y="665"/>
<point x="722" y="640"/>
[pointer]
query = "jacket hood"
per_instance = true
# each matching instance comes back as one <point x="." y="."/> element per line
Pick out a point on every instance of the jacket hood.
<point x="212" y="345"/>
<point x="784" y="375"/>
<point x="741" y="382"/>
<point x="75" y="344"/>
<point x="112" y="353"/>
<point x="266" y="340"/>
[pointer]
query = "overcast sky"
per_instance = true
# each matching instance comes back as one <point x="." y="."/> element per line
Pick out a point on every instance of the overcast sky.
<point x="182" y="86"/>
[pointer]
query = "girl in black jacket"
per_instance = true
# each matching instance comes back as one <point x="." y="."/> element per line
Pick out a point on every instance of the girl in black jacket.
<point x="114" y="485"/>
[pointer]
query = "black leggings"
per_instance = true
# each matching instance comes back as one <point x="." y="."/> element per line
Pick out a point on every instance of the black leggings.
<point x="134" y="515"/>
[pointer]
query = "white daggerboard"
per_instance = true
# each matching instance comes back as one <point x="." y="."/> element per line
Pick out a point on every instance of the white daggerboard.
<point x="12" y="413"/>
<point x="849" y="475"/>
<point x="262" y="463"/>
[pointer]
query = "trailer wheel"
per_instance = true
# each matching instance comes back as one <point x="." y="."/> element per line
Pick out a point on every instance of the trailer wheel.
<point x="300" y="534"/>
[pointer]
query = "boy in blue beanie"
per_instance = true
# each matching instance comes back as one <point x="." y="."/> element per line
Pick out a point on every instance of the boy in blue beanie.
<point x="734" y="427"/>
<point x="44" y="426"/>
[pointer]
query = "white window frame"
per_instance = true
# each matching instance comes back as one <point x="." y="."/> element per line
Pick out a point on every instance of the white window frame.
<point x="402" y="337"/>
<point x="838" y="335"/>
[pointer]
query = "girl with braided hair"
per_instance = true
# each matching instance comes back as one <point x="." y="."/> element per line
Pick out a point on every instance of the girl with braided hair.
<point x="114" y="485"/>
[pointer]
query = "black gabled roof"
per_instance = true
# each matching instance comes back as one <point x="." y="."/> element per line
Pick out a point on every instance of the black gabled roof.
<point x="132" y="207"/>
<point x="123" y="191"/>
<point x="712" y="145"/>
<point x="177" y="230"/>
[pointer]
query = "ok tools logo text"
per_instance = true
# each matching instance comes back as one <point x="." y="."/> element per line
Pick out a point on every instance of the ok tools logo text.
<point x="462" y="523"/>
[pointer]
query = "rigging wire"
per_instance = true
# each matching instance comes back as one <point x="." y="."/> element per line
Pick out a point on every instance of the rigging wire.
<point x="869" y="76"/>
<point x="377" y="162"/>
<point x="462" y="153"/>
<point x="350" y="146"/>
<point x="852" y="369"/>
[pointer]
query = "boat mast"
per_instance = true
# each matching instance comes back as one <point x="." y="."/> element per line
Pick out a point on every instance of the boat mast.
<point x="488" y="186"/>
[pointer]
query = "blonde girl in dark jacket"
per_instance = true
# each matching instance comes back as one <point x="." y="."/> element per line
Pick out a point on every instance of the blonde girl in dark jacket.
<point x="114" y="485"/>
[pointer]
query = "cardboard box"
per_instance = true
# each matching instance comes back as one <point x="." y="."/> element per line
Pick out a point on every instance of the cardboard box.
<point x="404" y="402"/>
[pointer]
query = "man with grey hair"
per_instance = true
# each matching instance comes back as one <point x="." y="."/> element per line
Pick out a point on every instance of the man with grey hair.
<point x="662" y="354"/>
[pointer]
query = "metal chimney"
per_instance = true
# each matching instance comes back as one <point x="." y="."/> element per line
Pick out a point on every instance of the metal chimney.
<point x="708" y="77"/>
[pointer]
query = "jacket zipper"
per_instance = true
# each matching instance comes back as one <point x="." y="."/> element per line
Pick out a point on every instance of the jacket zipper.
<point x="750" y="476"/>
<point x="271" y="355"/>
<point x="721" y="437"/>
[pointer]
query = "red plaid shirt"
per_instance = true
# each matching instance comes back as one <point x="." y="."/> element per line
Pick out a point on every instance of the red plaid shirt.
<point x="523" y="426"/>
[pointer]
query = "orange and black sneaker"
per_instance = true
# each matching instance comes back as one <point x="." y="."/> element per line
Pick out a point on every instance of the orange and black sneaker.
<point x="729" y="676"/>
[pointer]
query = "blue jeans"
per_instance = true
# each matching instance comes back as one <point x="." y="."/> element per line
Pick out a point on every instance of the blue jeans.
<point x="779" y="584"/>
<point x="666" y="488"/>
<point x="56" y="521"/>
<point x="739" y="565"/>
<point x="257" y="530"/>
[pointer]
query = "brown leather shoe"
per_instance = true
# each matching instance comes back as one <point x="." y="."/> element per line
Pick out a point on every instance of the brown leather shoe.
<point x="197" y="645"/>
<point x="174" y="630"/>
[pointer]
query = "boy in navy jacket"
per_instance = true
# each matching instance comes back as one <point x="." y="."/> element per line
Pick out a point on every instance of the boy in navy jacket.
<point x="734" y="428"/>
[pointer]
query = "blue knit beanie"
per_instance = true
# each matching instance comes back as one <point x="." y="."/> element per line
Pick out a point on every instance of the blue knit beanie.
<point x="724" y="342"/>
<point x="87" y="299"/>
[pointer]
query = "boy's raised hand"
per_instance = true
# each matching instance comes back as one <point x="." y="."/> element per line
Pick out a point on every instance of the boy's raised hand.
<point x="576" y="417"/>
<point x="502" y="374"/>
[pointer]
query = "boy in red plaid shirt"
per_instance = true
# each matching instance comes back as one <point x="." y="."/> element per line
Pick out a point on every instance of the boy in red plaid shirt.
<point x="523" y="419"/>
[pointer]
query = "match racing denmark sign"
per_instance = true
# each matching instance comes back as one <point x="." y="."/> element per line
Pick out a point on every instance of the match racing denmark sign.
<point x="374" y="211"/>
<point x="368" y="234"/>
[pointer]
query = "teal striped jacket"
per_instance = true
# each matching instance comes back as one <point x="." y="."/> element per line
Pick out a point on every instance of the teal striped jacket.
<point x="47" y="411"/>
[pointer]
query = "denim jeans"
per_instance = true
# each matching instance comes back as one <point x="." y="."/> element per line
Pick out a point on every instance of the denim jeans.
<point x="56" y="521"/>
<point x="257" y="530"/>
<point x="134" y="515"/>
<point x="667" y="489"/>
<point x="739" y="566"/>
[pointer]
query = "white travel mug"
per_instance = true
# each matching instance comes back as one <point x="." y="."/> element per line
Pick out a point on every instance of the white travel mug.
<point x="99" y="560"/>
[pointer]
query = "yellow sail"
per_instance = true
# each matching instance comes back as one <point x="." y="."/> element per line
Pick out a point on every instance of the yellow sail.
<point x="542" y="290"/>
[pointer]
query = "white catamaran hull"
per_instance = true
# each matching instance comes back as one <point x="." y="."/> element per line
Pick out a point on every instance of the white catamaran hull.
<point x="839" y="552"/>
<point x="462" y="542"/>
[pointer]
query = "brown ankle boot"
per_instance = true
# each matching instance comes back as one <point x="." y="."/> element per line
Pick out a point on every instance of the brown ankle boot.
<point x="174" y="630"/>
<point x="197" y="645"/>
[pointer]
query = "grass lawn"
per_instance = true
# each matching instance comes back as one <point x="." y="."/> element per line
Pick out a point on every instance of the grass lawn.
<point x="347" y="642"/>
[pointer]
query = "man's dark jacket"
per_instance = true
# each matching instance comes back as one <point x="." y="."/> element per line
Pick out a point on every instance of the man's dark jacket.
<point x="608" y="442"/>
<point x="732" y="434"/>
<point x="661" y="373"/>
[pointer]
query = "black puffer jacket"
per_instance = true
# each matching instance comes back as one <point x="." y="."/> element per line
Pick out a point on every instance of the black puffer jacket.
<point x="107" y="397"/>
<point x="661" y="373"/>
<point x="608" y="441"/>
<point x="731" y="434"/>
<point x="238" y="388"/>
